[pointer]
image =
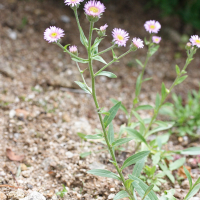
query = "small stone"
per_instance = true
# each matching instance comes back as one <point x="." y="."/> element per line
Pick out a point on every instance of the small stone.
<point x="69" y="154"/>
<point x="195" y="198"/>
<point x="54" y="197"/>
<point x="97" y="165"/>
<point x="66" y="117"/>
<point x="23" y="167"/>
<point x="29" y="186"/>
<point x="65" y="18"/>
<point x="185" y="184"/>
<point x="2" y="196"/>
<point x="34" y="196"/>
<point x="12" y="34"/>
<point x="111" y="196"/>
<point x="26" y="174"/>
<point x="17" y="195"/>
<point x="12" y="113"/>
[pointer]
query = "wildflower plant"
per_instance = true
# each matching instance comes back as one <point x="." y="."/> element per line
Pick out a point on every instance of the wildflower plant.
<point x="94" y="11"/>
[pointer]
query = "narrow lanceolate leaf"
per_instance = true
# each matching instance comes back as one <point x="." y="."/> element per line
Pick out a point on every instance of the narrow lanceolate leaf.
<point x="157" y="100"/>
<point x="83" y="39"/>
<point x="138" y="167"/>
<point x="138" y="85"/>
<point x="144" y="107"/>
<point x="121" y="141"/>
<point x="193" y="151"/>
<point x="138" y="117"/>
<point x="139" y="62"/>
<point x="147" y="191"/>
<point x="108" y="74"/>
<point x="167" y="172"/>
<point x="188" y="176"/>
<point x="181" y="79"/>
<point x="135" y="134"/>
<point x="96" y="43"/>
<point x="178" y="71"/>
<point x="128" y="183"/>
<point x="141" y="188"/>
<point x="135" y="158"/>
<point x="80" y="60"/>
<point x="113" y="111"/>
<point x="120" y="195"/>
<point x="153" y="50"/>
<point x="163" y="91"/>
<point x="114" y="55"/>
<point x="104" y="173"/>
<point x="111" y="137"/>
<point x="94" y="137"/>
<point x="177" y="164"/>
<point x="122" y="107"/>
<point x="100" y="59"/>
<point x="83" y="87"/>
<point x="192" y="192"/>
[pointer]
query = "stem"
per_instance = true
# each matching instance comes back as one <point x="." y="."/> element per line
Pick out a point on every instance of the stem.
<point x="104" y="51"/>
<point x="100" y="116"/>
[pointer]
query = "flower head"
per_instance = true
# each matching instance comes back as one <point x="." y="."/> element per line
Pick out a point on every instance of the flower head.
<point x="53" y="34"/>
<point x="94" y="8"/>
<point x="73" y="2"/>
<point x="103" y="28"/>
<point x="152" y="26"/>
<point x="195" y="40"/>
<point x="156" y="39"/>
<point x="138" y="43"/>
<point x="120" y="36"/>
<point x="73" y="49"/>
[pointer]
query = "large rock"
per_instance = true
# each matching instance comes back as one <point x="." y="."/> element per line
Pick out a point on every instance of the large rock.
<point x="34" y="196"/>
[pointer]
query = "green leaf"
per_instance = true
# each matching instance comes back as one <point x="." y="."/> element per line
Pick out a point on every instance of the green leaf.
<point x="192" y="192"/>
<point x="163" y="91"/>
<point x="188" y="176"/>
<point x="94" y="137"/>
<point x="122" y="107"/>
<point x="153" y="50"/>
<point x="108" y="74"/>
<point x="83" y="87"/>
<point x="114" y="55"/>
<point x="138" y="117"/>
<point x="147" y="79"/>
<point x="85" y="154"/>
<point x="111" y="137"/>
<point x="191" y="151"/>
<point x="128" y="183"/>
<point x="167" y="172"/>
<point x="141" y="188"/>
<point x="178" y="71"/>
<point x="138" y="167"/>
<point x="147" y="191"/>
<point x="81" y="135"/>
<point x="62" y="193"/>
<point x="83" y="38"/>
<point x="104" y="173"/>
<point x="181" y="79"/>
<point x="138" y="85"/>
<point x="121" y="141"/>
<point x="113" y="111"/>
<point x="144" y="107"/>
<point x="139" y="62"/>
<point x="120" y="195"/>
<point x="135" y="135"/>
<point x="80" y="60"/>
<point x="177" y="164"/>
<point x="96" y="43"/>
<point x="100" y="59"/>
<point x="134" y="158"/>
<point x="156" y="158"/>
<point x="157" y="100"/>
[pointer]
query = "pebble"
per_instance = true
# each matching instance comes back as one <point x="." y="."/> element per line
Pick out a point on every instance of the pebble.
<point x="12" y="34"/>
<point x="34" y="196"/>
<point x="26" y="174"/>
<point x="97" y="165"/>
<point x="111" y="196"/>
<point x="17" y="195"/>
<point x="2" y="196"/>
<point x="23" y="167"/>
<point x="69" y="154"/>
<point x="185" y="184"/>
<point x="65" y="18"/>
<point x="195" y="198"/>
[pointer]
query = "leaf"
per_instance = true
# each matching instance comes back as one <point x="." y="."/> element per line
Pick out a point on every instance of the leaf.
<point x="83" y="87"/>
<point x="147" y="191"/>
<point x="141" y="187"/>
<point x="138" y="85"/>
<point x="181" y="79"/>
<point x="113" y="111"/>
<point x="188" y="176"/>
<point x="139" y="62"/>
<point x="104" y="173"/>
<point x="114" y="55"/>
<point x="85" y="154"/>
<point x="192" y="192"/>
<point x="12" y="156"/>
<point x="178" y="71"/>
<point x="100" y="59"/>
<point x="181" y="172"/>
<point x="134" y="158"/>
<point x="138" y="117"/>
<point x="81" y="135"/>
<point x="111" y="133"/>
<point x="96" y="43"/>
<point x="120" y="195"/>
<point x="144" y="107"/>
<point x="83" y="39"/>
<point x="108" y="74"/>
<point x="178" y="163"/>
<point x="157" y="100"/>
<point x="156" y="158"/>
<point x="167" y="172"/>
<point x="147" y="79"/>
<point x="163" y="91"/>
<point x="138" y="167"/>
<point x="191" y="151"/>
<point x="128" y="183"/>
<point x="121" y="141"/>
<point x="153" y="50"/>
<point x="122" y="107"/>
<point x="135" y="134"/>
<point x="80" y="60"/>
<point x="94" y="137"/>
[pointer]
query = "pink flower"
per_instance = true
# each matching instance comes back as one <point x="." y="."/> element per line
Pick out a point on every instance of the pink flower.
<point x="156" y="39"/>
<point x="152" y="26"/>
<point x="120" y="36"/>
<point x="53" y="34"/>
<point x="73" y="49"/>
<point x="103" y="28"/>
<point x="94" y="8"/>
<point x="73" y="2"/>
<point x="138" y="43"/>
<point x="195" y="40"/>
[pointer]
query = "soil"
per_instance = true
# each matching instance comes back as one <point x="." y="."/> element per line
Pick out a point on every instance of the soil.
<point x="42" y="110"/>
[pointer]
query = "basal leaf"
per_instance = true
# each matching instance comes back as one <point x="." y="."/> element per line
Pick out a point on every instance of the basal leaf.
<point x="108" y="74"/>
<point x="120" y="195"/>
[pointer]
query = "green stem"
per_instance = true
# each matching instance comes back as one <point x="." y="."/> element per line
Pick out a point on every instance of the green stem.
<point x="100" y="116"/>
<point x="106" y="50"/>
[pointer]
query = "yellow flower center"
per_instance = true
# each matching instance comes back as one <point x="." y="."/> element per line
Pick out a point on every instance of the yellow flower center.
<point x="152" y="27"/>
<point x="156" y="39"/>
<point x="120" y="37"/>
<point x="197" y="41"/>
<point x="73" y="0"/>
<point x="94" y="9"/>
<point x="54" y="35"/>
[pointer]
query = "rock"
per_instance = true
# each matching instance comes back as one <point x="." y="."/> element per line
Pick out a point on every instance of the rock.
<point x="23" y="167"/>
<point x="12" y="113"/>
<point x="29" y="186"/>
<point x="69" y="154"/>
<point x="111" y="196"/>
<point x="26" y="174"/>
<point x="16" y="195"/>
<point x="34" y="196"/>
<point x="65" y="18"/>
<point x="185" y="184"/>
<point x="5" y="69"/>
<point x="195" y="198"/>
<point x="12" y="34"/>
<point x="97" y="165"/>
<point x="66" y="117"/>
<point x="2" y="196"/>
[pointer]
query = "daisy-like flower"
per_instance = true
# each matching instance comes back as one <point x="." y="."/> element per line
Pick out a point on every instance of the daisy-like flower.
<point x="94" y="8"/>
<point x="53" y="34"/>
<point x="156" y="39"/>
<point x="138" y="43"/>
<point x="103" y="28"/>
<point x="195" y="40"/>
<point x="152" y="26"/>
<point x="120" y="36"/>
<point x="73" y="2"/>
<point x="73" y="49"/>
